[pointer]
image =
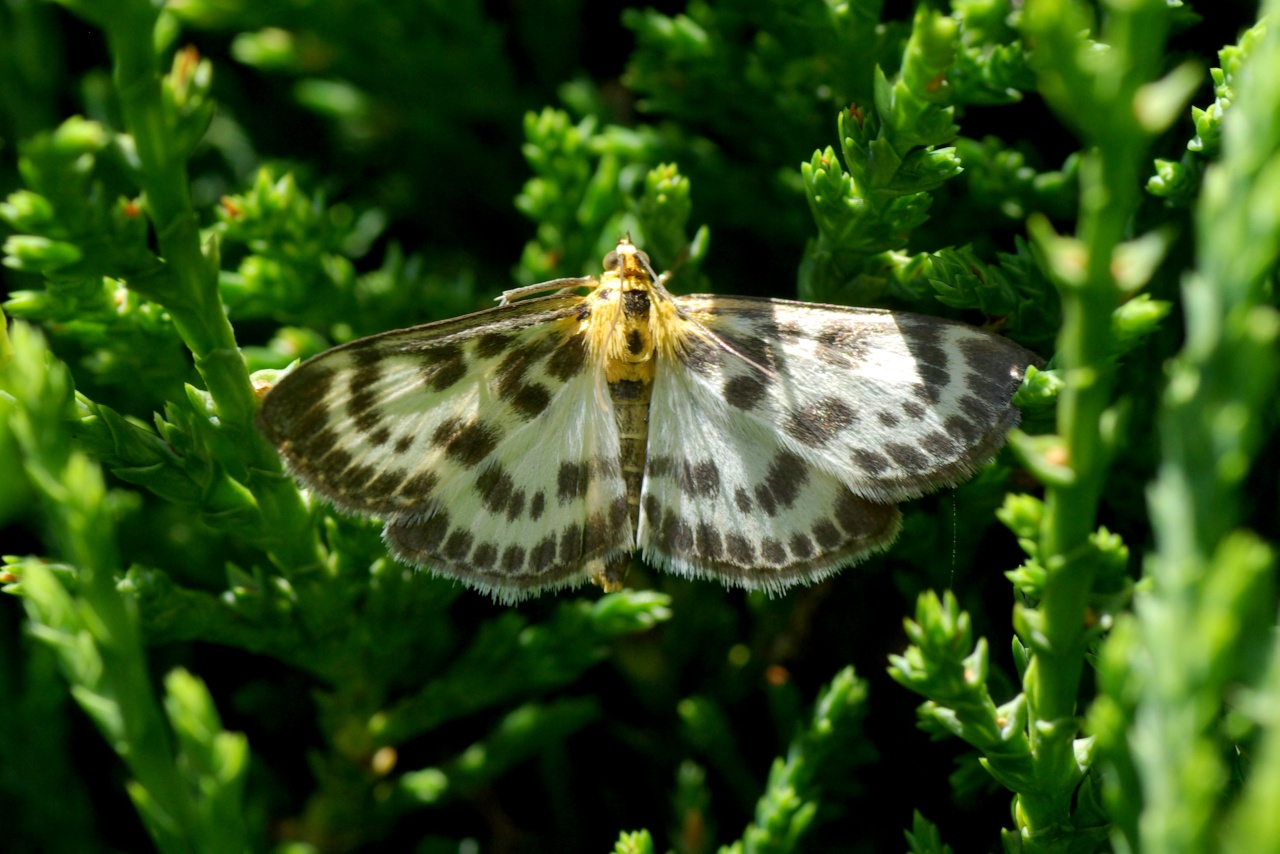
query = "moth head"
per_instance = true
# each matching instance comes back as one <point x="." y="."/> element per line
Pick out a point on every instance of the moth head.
<point x="627" y="260"/>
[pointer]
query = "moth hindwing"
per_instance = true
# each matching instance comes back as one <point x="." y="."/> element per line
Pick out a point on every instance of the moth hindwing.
<point x="538" y="444"/>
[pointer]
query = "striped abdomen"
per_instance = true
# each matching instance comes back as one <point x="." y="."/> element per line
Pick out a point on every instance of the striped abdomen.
<point x="631" y="409"/>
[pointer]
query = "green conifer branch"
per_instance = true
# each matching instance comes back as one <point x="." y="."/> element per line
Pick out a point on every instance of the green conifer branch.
<point x="188" y="774"/>
<point x="1179" y="181"/>
<point x="521" y="733"/>
<point x="1254" y="823"/>
<point x="924" y="838"/>
<point x="510" y="659"/>
<point x="165" y="116"/>
<point x="1201" y="619"/>
<point x="1100" y="93"/>
<point x="792" y="794"/>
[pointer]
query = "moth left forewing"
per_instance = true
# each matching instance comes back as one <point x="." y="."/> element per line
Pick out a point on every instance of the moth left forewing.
<point x="480" y="440"/>
<point x="376" y="424"/>
<point x="892" y="404"/>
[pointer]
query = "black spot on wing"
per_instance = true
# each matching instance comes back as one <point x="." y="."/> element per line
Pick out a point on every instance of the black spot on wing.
<point x="385" y="484"/>
<point x="872" y="462"/>
<point x="316" y="446"/>
<point x="861" y="518"/>
<point x="350" y="478"/>
<point x="997" y="358"/>
<point x="420" y="485"/>
<point x="568" y="359"/>
<point x="571" y="481"/>
<point x="700" y="479"/>
<point x="782" y="483"/>
<point x="570" y="543"/>
<point x="938" y="446"/>
<point x="596" y="533"/>
<point x="700" y="355"/>
<point x="531" y="400"/>
<point x="542" y="556"/>
<point x="802" y="546"/>
<point x="676" y="535"/>
<point x="419" y="537"/>
<point x="817" y="423"/>
<point x="757" y="345"/>
<point x="294" y="409"/>
<point x="618" y="512"/>
<point x="334" y="461"/>
<point x="827" y="535"/>
<point x="923" y="340"/>
<point x="466" y="444"/>
<point x="990" y="387"/>
<point x="496" y="488"/>
<point x="512" y="559"/>
<point x="933" y="376"/>
<point x="745" y="391"/>
<point x="843" y="344"/>
<point x="515" y="506"/>
<point x="490" y="344"/>
<point x="538" y="505"/>
<point x="707" y="542"/>
<point x="368" y="421"/>
<point x="908" y="457"/>
<point x="511" y="371"/>
<point x="740" y="549"/>
<point x="978" y="410"/>
<point x="928" y="392"/>
<point x="362" y="382"/>
<point x="457" y="545"/>
<point x="963" y="429"/>
<point x="652" y="508"/>
<point x="773" y="551"/>
<point x="441" y="367"/>
<point x="484" y="556"/>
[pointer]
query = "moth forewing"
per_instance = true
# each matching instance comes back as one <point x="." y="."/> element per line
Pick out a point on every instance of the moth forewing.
<point x="893" y="404"/>
<point x="368" y="424"/>
<point x="538" y="444"/>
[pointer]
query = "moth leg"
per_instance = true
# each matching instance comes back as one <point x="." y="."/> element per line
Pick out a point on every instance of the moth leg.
<point x="609" y="575"/>
<point x="561" y="286"/>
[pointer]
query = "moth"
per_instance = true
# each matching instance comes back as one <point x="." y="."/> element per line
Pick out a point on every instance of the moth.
<point x="539" y="444"/>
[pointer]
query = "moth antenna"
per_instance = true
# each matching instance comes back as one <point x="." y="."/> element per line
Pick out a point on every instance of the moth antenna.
<point x="729" y="348"/>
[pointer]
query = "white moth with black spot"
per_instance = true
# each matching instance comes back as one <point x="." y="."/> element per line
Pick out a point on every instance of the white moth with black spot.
<point x="537" y="445"/>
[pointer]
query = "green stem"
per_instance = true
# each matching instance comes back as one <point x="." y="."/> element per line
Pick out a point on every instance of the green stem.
<point x="190" y="290"/>
<point x="105" y="663"/>
<point x="1071" y="510"/>
<point x="1076" y="80"/>
<point x="191" y="294"/>
<point x="1207" y="573"/>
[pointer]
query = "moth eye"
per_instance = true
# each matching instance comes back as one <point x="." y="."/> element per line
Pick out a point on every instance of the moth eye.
<point x="644" y="257"/>
<point x="611" y="260"/>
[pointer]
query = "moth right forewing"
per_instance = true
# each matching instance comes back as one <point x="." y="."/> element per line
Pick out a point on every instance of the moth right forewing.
<point x="891" y="403"/>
